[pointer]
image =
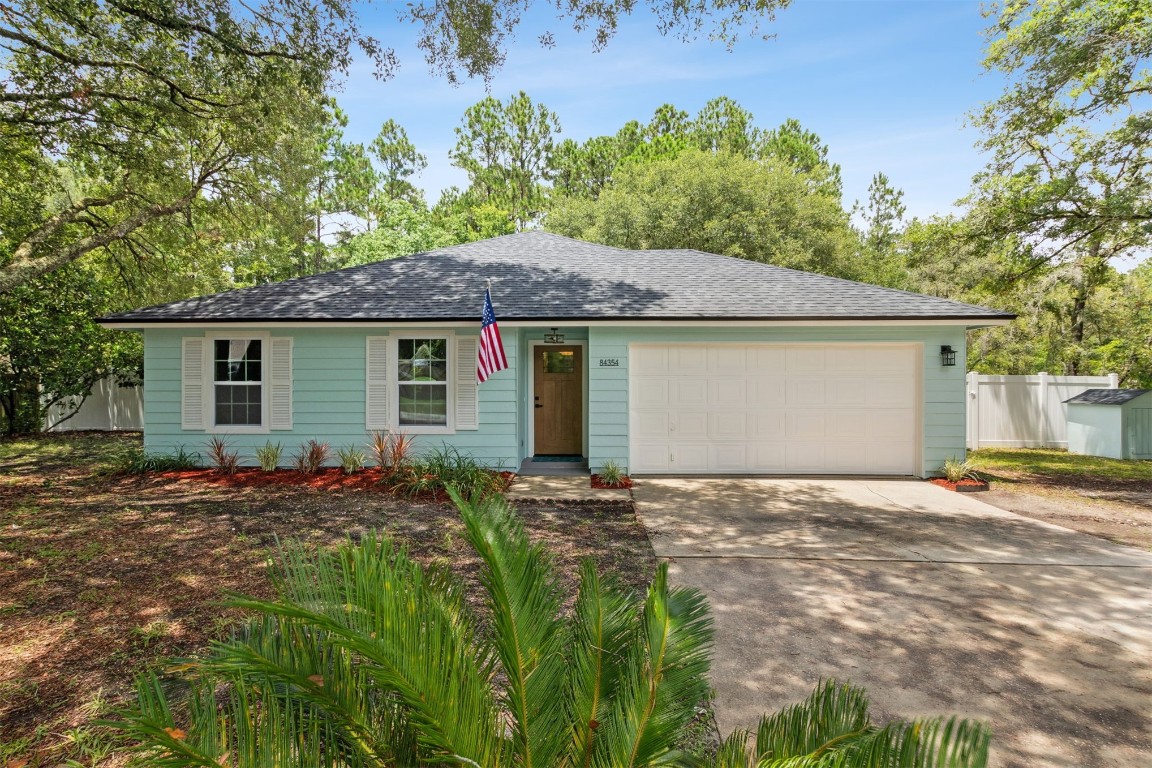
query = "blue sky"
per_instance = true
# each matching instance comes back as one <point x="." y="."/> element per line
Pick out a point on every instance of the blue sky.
<point x="887" y="85"/>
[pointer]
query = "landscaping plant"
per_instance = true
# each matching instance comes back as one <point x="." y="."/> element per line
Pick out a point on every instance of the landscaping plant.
<point x="310" y="457"/>
<point x="137" y="461"/>
<point x="445" y="468"/>
<point x="352" y="459"/>
<point x="956" y="470"/>
<point x="366" y="658"/>
<point x="611" y="473"/>
<point x="222" y="457"/>
<point x="269" y="456"/>
<point x="391" y="450"/>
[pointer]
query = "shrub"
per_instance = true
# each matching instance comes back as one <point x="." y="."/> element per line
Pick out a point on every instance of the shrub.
<point x="310" y="457"/>
<point x="392" y="450"/>
<point x="611" y="473"/>
<point x="956" y="470"/>
<point x="366" y="658"/>
<point x="226" y="461"/>
<point x="443" y="468"/>
<point x="352" y="459"/>
<point x="137" y="461"/>
<point x="269" y="456"/>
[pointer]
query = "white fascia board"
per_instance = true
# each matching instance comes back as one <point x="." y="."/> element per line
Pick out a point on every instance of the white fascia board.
<point x="969" y="323"/>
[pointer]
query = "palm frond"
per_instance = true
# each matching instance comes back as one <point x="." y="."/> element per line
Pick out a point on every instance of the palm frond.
<point x="832" y="713"/>
<point x="667" y="675"/>
<point x="524" y="597"/>
<point x="734" y="751"/>
<point x="603" y="623"/>
<point x="931" y="743"/>
<point x="409" y="637"/>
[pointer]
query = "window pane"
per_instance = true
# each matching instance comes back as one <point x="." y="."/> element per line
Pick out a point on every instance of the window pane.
<point x="559" y="362"/>
<point x="422" y="360"/>
<point x="237" y="359"/>
<point x="423" y="405"/>
<point x="238" y="405"/>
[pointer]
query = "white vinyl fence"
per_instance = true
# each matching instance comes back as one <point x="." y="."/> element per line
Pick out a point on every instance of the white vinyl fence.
<point x="109" y="407"/>
<point x="1024" y="411"/>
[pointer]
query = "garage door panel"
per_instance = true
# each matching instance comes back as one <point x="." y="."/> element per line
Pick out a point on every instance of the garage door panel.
<point x="690" y="425"/>
<point x="728" y="425"/>
<point x="650" y="360"/>
<point x="729" y="457"/>
<point x="805" y="391"/>
<point x="842" y="392"/>
<point x="728" y="393"/>
<point x="804" y="425"/>
<point x="804" y="359"/>
<point x="768" y="425"/>
<point x="649" y="392"/>
<point x="847" y="425"/>
<point x="689" y="392"/>
<point x="806" y="408"/>
<point x="727" y="361"/>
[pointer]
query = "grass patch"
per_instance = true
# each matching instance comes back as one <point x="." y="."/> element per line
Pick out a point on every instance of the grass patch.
<point x="1024" y="464"/>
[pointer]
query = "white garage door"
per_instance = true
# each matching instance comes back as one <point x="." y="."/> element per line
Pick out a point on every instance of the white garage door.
<point x="787" y="408"/>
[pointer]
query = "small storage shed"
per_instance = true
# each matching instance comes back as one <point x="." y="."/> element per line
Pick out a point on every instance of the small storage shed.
<point x="1114" y="423"/>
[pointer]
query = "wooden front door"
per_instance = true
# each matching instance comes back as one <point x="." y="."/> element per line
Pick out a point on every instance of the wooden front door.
<point x="559" y="400"/>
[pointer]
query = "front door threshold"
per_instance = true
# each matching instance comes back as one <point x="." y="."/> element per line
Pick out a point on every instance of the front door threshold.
<point x="549" y="466"/>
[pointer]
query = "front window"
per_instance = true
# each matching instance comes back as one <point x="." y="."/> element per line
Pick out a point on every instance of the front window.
<point x="238" y="377"/>
<point x="422" y="375"/>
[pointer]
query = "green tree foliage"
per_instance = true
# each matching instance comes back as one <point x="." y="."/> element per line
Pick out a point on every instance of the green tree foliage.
<point x="1071" y="136"/>
<point x="759" y="210"/>
<point x="882" y="261"/>
<point x="402" y="228"/>
<point x="50" y="350"/>
<point x="399" y="162"/>
<point x="806" y="152"/>
<point x="368" y="659"/>
<point x="156" y="107"/>
<point x="506" y="149"/>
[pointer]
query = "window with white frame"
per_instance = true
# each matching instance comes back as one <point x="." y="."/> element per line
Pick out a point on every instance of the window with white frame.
<point x="238" y="382"/>
<point x="422" y="381"/>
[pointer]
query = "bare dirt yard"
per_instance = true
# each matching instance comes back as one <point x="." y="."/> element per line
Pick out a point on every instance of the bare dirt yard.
<point x="104" y="575"/>
<point x="1108" y="498"/>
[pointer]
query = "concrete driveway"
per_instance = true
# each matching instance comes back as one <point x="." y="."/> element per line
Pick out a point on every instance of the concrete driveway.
<point x="934" y="601"/>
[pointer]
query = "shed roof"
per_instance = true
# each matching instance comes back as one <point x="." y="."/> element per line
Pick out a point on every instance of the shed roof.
<point x="1107" y="396"/>
<point x="542" y="276"/>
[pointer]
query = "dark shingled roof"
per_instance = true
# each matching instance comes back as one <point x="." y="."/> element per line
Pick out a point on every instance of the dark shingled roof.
<point x="1107" y="396"/>
<point x="541" y="276"/>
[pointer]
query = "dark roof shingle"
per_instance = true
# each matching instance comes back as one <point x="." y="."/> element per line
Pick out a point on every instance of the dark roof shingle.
<point x="542" y="276"/>
<point x="1106" y="396"/>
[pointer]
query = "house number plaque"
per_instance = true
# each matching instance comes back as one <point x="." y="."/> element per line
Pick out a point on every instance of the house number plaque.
<point x="609" y="362"/>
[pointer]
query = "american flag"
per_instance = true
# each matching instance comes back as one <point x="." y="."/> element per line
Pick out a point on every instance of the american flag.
<point x="491" y="358"/>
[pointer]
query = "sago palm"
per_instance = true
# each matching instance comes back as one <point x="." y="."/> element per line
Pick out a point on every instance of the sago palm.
<point x="366" y="658"/>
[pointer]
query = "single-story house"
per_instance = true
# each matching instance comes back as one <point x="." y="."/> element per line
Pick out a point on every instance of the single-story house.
<point x="663" y="361"/>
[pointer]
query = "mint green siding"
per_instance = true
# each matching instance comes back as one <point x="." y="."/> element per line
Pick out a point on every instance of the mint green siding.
<point x="1118" y="431"/>
<point x="328" y="398"/>
<point x="328" y="382"/>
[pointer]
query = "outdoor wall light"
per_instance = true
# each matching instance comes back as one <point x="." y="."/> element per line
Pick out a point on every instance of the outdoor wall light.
<point x="554" y="338"/>
<point x="947" y="355"/>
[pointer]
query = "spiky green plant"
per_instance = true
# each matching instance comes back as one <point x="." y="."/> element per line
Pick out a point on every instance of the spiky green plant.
<point x="368" y="659"/>
<point x="352" y="459"/>
<point x="956" y="470"/>
<point x="268" y="457"/>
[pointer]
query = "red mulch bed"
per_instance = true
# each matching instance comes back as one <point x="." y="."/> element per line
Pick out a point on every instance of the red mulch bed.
<point x="598" y="482"/>
<point x="969" y="482"/>
<point x="329" y="479"/>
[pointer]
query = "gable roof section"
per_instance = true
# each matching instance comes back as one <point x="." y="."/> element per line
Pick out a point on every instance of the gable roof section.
<point x="542" y="276"/>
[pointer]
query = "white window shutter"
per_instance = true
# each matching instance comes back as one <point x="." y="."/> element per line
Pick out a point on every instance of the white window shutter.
<point x="467" y="402"/>
<point x="192" y="382"/>
<point x="376" y="384"/>
<point x="280" y="383"/>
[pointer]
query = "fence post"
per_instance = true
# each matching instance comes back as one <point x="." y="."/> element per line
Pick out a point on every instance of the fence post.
<point x="1044" y="410"/>
<point x="972" y="418"/>
<point x="1113" y="381"/>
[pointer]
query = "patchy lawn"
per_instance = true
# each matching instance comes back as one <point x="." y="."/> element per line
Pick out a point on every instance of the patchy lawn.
<point x="102" y="576"/>
<point x="1109" y="498"/>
